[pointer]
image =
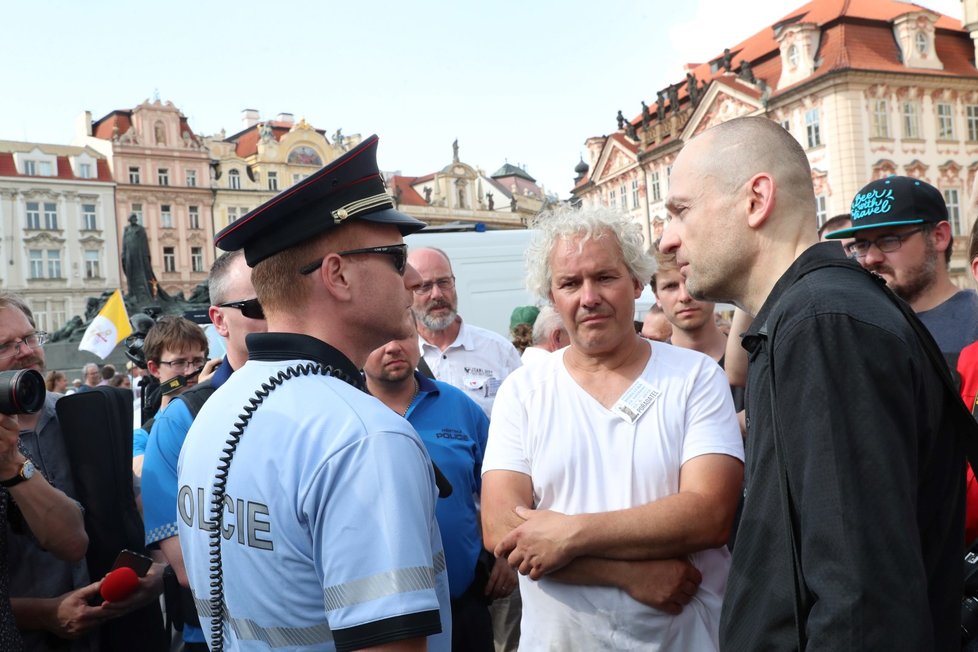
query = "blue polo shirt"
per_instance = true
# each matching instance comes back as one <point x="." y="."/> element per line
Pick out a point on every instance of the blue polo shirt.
<point x="454" y="430"/>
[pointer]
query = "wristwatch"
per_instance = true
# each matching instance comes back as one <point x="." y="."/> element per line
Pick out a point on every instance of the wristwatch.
<point x="26" y="473"/>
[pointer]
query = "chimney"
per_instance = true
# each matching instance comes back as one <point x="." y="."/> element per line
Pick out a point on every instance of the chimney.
<point x="287" y="118"/>
<point x="83" y="124"/>
<point x="250" y="117"/>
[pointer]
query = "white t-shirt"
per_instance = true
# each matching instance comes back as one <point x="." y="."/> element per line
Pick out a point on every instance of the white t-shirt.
<point x="476" y="362"/>
<point x="583" y="457"/>
<point x="533" y="354"/>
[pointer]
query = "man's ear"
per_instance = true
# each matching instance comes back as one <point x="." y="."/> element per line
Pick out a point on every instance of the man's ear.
<point x="153" y="367"/>
<point x="942" y="236"/>
<point x="760" y="197"/>
<point x="217" y="318"/>
<point x="336" y="276"/>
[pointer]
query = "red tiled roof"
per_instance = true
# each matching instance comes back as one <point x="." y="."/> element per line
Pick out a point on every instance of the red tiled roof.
<point x="102" y="128"/>
<point x="855" y="34"/>
<point x="103" y="171"/>
<point x="64" y="168"/>
<point x="7" y="166"/>
<point x="409" y="196"/>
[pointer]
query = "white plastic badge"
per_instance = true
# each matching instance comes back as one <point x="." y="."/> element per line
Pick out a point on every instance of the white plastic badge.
<point x="635" y="401"/>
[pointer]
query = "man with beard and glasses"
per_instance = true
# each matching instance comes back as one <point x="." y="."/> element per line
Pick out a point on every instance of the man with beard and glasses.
<point x="901" y="231"/>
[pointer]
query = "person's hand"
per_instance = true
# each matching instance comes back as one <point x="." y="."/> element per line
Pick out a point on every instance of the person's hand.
<point x="150" y="587"/>
<point x="540" y="545"/>
<point x="208" y="370"/>
<point x="73" y="616"/>
<point x="11" y="459"/>
<point x="664" y="584"/>
<point x="502" y="580"/>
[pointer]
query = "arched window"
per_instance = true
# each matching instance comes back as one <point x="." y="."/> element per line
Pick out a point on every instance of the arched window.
<point x="234" y="180"/>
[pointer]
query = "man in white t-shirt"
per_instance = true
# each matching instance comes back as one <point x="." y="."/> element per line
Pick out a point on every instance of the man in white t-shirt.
<point x="613" y="468"/>
<point x="549" y="335"/>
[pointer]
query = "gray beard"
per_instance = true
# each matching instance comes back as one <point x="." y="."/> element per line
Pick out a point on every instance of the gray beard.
<point x="436" y="323"/>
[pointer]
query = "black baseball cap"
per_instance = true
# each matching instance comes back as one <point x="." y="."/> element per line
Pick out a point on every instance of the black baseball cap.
<point x="351" y="187"/>
<point x="894" y="201"/>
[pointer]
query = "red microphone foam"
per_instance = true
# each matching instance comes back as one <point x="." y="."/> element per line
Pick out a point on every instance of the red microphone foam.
<point x="118" y="584"/>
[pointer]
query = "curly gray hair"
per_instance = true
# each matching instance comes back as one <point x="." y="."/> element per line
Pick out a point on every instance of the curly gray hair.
<point x="588" y="222"/>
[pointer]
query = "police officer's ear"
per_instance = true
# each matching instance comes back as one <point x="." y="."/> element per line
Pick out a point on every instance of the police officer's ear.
<point x="336" y="276"/>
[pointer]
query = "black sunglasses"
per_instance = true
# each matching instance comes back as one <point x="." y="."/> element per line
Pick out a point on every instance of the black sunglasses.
<point x="250" y="308"/>
<point x="397" y="252"/>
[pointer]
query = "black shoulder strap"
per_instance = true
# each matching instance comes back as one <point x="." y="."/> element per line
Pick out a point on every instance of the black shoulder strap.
<point x="425" y="369"/>
<point x="196" y="396"/>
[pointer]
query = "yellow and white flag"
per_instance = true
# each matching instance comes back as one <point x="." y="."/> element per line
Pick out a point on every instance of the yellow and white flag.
<point x="110" y="326"/>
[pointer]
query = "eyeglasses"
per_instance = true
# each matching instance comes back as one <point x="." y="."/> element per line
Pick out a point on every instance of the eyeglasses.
<point x="34" y="341"/>
<point x="885" y="243"/>
<point x="443" y="284"/>
<point x="250" y="308"/>
<point x="397" y="252"/>
<point x="180" y="365"/>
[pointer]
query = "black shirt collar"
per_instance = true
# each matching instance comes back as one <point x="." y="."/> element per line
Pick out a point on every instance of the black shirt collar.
<point x="273" y="347"/>
<point x="816" y="253"/>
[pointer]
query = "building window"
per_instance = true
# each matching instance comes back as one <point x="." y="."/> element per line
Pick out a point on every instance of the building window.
<point x="234" y="180"/>
<point x="166" y="216"/>
<point x="92" y="268"/>
<point x="59" y="315"/>
<point x="953" y="210"/>
<point x="945" y="121"/>
<point x="44" y="169"/>
<point x="881" y="119"/>
<point x="634" y="193"/>
<point x="30" y="168"/>
<point x="911" y="120"/>
<point x="193" y="213"/>
<point x="36" y="257"/>
<point x="786" y="125"/>
<point x="812" y="130"/>
<point x="232" y="213"/>
<point x="612" y="199"/>
<point x="54" y="263"/>
<point x="920" y="41"/>
<point x="820" y="210"/>
<point x="624" y="197"/>
<point x="88" y="217"/>
<point x="33" y="215"/>
<point x="273" y="180"/>
<point x="191" y="178"/>
<point x="197" y="259"/>
<point x="50" y="215"/>
<point x="133" y="174"/>
<point x="297" y="177"/>
<point x="85" y="170"/>
<point x="169" y="259"/>
<point x="40" y="309"/>
<point x="656" y="192"/>
<point x="793" y="56"/>
<point x="137" y="210"/>
<point x="163" y="176"/>
<point x="972" y="112"/>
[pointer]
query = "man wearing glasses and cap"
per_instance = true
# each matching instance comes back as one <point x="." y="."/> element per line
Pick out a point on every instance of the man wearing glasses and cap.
<point x="901" y="231"/>
<point x="324" y="532"/>
<point x="235" y="312"/>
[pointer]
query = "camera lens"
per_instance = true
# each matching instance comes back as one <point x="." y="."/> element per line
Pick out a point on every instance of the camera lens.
<point x="22" y="391"/>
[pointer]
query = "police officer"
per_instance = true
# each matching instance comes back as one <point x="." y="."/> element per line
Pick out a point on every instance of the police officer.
<point x="325" y="532"/>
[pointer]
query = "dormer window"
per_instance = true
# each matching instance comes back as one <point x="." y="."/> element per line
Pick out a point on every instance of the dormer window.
<point x="920" y="42"/>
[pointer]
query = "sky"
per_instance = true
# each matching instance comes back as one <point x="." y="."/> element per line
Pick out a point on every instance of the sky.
<point x="514" y="81"/>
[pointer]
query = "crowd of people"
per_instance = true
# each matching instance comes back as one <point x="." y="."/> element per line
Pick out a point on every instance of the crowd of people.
<point x="366" y="469"/>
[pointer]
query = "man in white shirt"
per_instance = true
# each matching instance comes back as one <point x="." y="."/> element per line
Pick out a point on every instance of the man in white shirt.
<point x="549" y="335"/>
<point x="473" y="359"/>
<point x="613" y="468"/>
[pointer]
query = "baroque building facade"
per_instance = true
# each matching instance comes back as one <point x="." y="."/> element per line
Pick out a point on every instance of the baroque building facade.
<point x="264" y="158"/>
<point x="460" y="194"/>
<point x="162" y="172"/>
<point x="57" y="228"/>
<point x="868" y="88"/>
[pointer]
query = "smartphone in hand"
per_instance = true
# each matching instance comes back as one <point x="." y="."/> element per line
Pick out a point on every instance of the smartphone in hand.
<point x="139" y="563"/>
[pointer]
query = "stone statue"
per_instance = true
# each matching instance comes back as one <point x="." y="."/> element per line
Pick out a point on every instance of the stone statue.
<point x="673" y="92"/>
<point x="455" y="151"/>
<point x="339" y="139"/>
<point x="427" y="194"/>
<point x="621" y="121"/>
<point x="746" y="73"/>
<point x="512" y="204"/>
<point x="490" y="200"/>
<point x="397" y="197"/>
<point x="660" y="106"/>
<point x="727" y="61"/>
<point x="645" y="114"/>
<point x="136" y="261"/>
<point x="630" y="131"/>
<point x="265" y="132"/>
<point x="692" y="87"/>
